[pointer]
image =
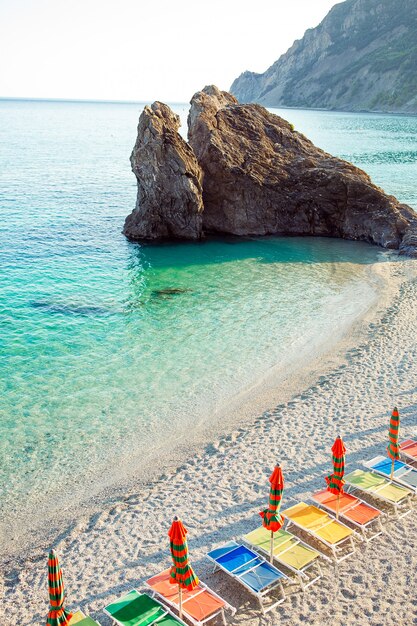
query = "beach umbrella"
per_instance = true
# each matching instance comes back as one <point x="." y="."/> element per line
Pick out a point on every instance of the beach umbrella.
<point x="335" y="481"/>
<point x="393" y="448"/>
<point x="181" y="571"/>
<point x="57" y="616"/>
<point x="271" y="518"/>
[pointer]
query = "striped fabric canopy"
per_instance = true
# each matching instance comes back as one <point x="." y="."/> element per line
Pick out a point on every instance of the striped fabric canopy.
<point x="335" y="481"/>
<point x="393" y="448"/>
<point x="57" y="616"/>
<point x="181" y="572"/>
<point x="271" y="517"/>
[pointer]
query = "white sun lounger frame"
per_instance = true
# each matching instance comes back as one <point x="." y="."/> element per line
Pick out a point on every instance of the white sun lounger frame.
<point x="192" y="619"/>
<point x="401" y="508"/>
<point x="334" y="547"/>
<point x="396" y="479"/>
<point x="259" y="595"/>
<point x="361" y="527"/>
<point x="304" y="579"/>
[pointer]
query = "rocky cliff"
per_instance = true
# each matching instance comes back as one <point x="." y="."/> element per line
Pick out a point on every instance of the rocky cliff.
<point x="362" y="57"/>
<point x="260" y="177"/>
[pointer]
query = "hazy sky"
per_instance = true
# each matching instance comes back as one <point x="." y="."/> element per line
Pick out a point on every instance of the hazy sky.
<point x="142" y="50"/>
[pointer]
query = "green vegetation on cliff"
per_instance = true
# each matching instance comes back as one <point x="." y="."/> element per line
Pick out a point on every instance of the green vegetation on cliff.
<point x="363" y="56"/>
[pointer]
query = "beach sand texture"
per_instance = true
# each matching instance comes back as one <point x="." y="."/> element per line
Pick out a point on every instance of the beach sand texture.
<point x="219" y="492"/>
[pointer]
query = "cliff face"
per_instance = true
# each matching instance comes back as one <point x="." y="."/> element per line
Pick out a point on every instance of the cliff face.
<point x="363" y="56"/>
<point x="169" y="200"/>
<point x="259" y="177"/>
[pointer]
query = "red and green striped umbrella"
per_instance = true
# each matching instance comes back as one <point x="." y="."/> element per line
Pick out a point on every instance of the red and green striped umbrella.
<point x="271" y="518"/>
<point x="181" y="571"/>
<point x="57" y="616"/>
<point x="393" y="448"/>
<point x="335" y="481"/>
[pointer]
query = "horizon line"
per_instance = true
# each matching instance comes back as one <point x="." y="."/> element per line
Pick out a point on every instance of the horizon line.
<point x="85" y="100"/>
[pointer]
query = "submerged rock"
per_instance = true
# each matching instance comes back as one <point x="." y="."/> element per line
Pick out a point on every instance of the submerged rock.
<point x="169" y="291"/>
<point x="84" y="310"/>
<point x="262" y="177"/>
<point x="169" y="200"/>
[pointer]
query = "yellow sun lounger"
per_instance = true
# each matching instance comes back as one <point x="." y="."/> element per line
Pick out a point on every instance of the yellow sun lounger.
<point x="290" y="551"/>
<point x="81" y="619"/>
<point x="316" y="522"/>
<point x="381" y="489"/>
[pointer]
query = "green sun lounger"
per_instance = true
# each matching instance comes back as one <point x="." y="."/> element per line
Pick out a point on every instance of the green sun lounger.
<point x="81" y="619"/>
<point x="380" y="488"/>
<point x="290" y="551"/>
<point x="138" y="609"/>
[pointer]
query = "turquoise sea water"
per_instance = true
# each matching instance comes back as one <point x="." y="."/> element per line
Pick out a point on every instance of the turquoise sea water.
<point x="110" y="350"/>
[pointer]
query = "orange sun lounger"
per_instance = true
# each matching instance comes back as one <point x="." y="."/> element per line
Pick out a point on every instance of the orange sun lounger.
<point x="353" y="510"/>
<point x="199" y="605"/>
<point x="408" y="449"/>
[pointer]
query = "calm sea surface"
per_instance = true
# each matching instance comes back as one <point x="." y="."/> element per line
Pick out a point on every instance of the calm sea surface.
<point x="100" y="363"/>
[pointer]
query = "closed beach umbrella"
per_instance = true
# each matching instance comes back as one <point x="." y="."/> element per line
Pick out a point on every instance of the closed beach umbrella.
<point x="57" y="616"/>
<point x="393" y="448"/>
<point x="181" y="571"/>
<point x="335" y="481"/>
<point x="271" y="518"/>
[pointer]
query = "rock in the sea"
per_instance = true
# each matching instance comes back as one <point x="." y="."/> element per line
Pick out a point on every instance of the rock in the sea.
<point x="169" y="200"/>
<point x="262" y="177"/>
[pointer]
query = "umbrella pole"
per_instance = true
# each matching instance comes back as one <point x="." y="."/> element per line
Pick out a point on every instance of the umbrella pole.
<point x="180" y="601"/>
<point x="392" y="468"/>
<point x="272" y="547"/>
<point x="337" y="506"/>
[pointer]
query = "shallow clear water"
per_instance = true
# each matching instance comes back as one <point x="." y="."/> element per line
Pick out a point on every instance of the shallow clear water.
<point x="110" y="349"/>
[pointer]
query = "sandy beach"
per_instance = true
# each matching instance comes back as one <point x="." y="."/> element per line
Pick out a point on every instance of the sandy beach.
<point x="219" y="488"/>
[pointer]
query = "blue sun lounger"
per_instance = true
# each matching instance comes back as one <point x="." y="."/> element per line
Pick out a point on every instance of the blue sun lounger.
<point x="249" y="569"/>
<point x="403" y="473"/>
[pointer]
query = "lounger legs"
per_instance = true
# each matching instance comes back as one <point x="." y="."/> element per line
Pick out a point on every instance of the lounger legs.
<point x="272" y="606"/>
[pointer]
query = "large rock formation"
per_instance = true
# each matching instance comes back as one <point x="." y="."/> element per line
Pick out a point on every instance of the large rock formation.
<point x="260" y="177"/>
<point x="169" y="200"/>
<point x="363" y="56"/>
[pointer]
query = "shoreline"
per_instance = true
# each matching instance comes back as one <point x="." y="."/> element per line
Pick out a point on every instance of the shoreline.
<point x="276" y="386"/>
<point x="142" y="501"/>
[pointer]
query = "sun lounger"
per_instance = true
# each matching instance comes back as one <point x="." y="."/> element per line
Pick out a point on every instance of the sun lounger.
<point x="199" y="606"/>
<point x="403" y="474"/>
<point x="353" y="510"/>
<point x="290" y="551"/>
<point x="408" y="449"/>
<point x="381" y="489"/>
<point x="332" y="533"/>
<point x="139" y="609"/>
<point x="251" y="570"/>
<point x="81" y="619"/>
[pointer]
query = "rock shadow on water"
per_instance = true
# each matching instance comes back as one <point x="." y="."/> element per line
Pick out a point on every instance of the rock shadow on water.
<point x="215" y="249"/>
